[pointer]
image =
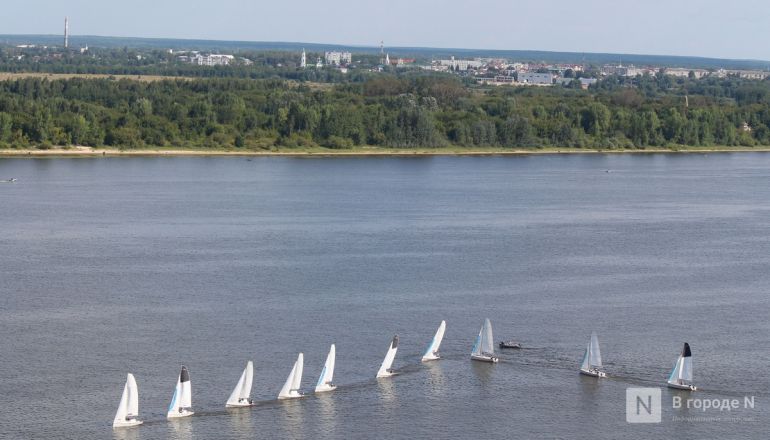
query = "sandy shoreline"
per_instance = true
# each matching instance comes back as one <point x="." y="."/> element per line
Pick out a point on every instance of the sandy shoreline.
<point x="88" y="151"/>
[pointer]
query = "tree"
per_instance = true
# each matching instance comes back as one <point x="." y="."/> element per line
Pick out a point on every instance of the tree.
<point x="673" y="125"/>
<point x="596" y="119"/>
<point x="6" y="126"/>
<point x="516" y="131"/>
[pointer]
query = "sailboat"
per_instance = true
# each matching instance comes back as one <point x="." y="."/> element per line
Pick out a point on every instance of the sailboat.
<point x="681" y="376"/>
<point x="484" y="349"/>
<point x="128" y="408"/>
<point x="181" y="403"/>
<point x="387" y="363"/>
<point x="327" y="374"/>
<point x="592" y="360"/>
<point x="290" y="389"/>
<point x="241" y="395"/>
<point x="431" y="354"/>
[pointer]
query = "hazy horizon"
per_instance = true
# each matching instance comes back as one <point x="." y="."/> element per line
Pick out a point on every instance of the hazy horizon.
<point x="596" y="26"/>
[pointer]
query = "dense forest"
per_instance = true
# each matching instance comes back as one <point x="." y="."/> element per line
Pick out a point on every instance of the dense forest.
<point x="405" y="111"/>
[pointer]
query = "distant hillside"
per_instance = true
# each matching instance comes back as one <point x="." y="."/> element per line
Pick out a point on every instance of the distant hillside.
<point x="423" y="52"/>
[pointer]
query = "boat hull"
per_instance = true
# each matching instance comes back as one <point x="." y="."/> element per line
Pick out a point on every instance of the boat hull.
<point x="238" y="405"/>
<point x="430" y="358"/>
<point x="292" y="395"/>
<point x="484" y="358"/>
<point x="325" y="388"/>
<point x="180" y="414"/>
<point x="386" y="374"/>
<point x="593" y="373"/>
<point x="682" y="386"/>
<point x="127" y="424"/>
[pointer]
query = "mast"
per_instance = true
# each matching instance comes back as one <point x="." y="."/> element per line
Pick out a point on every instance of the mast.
<point x="66" y="33"/>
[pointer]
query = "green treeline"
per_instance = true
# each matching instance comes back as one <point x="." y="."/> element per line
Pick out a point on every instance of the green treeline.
<point x="417" y="110"/>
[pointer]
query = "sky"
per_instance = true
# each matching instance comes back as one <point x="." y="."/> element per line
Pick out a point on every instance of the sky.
<point x="738" y="29"/>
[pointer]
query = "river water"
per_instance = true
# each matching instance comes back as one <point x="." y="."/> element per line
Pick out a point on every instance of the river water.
<point x="144" y="264"/>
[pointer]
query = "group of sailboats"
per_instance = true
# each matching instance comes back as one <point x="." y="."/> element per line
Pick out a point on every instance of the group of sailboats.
<point x="431" y="353"/>
<point x="291" y="388"/>
<point x="680" y="377"/>
<point x="181" y="402"/>
<point x="483" y="351"/>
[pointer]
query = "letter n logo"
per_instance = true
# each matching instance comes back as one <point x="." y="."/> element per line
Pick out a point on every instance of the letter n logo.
<point x="643" y="405"/>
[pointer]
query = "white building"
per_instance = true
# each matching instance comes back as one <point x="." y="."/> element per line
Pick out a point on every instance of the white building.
<point x="454" y="64"/>
<point x="684" y="73"/>
<point x="338" y="58"/>
<point x="499" y="80"/>
<point x="537" y="79"/>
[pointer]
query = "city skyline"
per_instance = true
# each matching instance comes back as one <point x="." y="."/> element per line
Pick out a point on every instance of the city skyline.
<point x="589" y="26"/>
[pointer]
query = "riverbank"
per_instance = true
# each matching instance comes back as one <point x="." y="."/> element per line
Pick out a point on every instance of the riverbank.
<point x="359" y="151"/>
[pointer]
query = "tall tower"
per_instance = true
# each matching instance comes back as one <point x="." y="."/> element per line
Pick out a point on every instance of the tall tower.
<point x="66" y="33"/>
<point x="303" y="60"/>
<point x="382" y="52"/>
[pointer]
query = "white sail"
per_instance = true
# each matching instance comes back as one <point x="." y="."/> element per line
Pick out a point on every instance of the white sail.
<point x="595" y="358"/>
<point x="120" y="415"/>
<point x="128" y="408"/>
<point x="432" y="352"/>
<point x="242" y="391"/>
<point x="297" y="380"/>
<point x="285" y="391"/>
<point x="186" y="400"/>
<point x="685" y="373"/>
<point x="325" y="381"/>
<point x="487" y="341"/>
<point x="675" y="373"/>
<point x="181" y="403"/>
<point x="387" y="363"/>
<point x="477" y="345"/>
<point x="133" y="398"/>
<point x="290" y="389"/>
<point x="586" y="365"/>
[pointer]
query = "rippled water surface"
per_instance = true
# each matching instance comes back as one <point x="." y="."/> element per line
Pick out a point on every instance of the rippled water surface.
<point x="142" y="264"/>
